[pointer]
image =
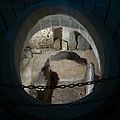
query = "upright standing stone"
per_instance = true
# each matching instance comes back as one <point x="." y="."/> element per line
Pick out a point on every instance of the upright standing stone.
<point x="44" y="75"/>
<point x="57" y="44"/>
<point x="82" y="43"/>
<point x="66" y="33"/>
<point x="72" y="42"/>
<point x="57" y="32"/>
<point x="90" y="75"/>
<point x="64" y="45"/>
<point x="57" y="37"/>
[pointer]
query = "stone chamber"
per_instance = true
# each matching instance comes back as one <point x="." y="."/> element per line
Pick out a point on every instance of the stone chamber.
<point x="70" y="57"/>
<point x="88" y="41"/>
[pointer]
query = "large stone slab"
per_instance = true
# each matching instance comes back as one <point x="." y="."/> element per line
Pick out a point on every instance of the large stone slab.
<point x="57" y="33"/>
<point x="90" y="75"/>
<point x="72" y="42"/>
<point x="44" y="75"/>
<point x="69" y="36"/>
<point x="64" y="45"/>
<point x="68" y="70"/>
<point x="57" y="44"/>
<point x="68" y="65"/>
<point x="82" y="43"/>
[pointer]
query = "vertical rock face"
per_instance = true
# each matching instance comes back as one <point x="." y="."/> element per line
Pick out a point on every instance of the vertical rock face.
<point x="90" y="75"/>
<point x="82" y="43"/>
<point x="72" y="42"/>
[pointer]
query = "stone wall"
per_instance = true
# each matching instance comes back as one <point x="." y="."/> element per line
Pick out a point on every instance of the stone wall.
<point x="42" y="39"/>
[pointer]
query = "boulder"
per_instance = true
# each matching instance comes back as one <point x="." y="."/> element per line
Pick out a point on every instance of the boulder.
<point x="28" y="54"/>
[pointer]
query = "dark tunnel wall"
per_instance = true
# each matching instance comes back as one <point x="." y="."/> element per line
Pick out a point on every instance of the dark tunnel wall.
<point x="107" y="11"/>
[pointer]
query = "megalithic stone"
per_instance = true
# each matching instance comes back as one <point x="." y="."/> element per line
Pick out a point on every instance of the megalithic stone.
<point x="82" y="43"/>
<point x="57" y="33"/>
<point x="64" y="45"/>
<point x="57" y="44"/>
<point x="72" y="42"/>
<point x="90" y="74"/>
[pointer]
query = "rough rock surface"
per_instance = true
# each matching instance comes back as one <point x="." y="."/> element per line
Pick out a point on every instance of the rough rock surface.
<point x="68" y="70"/>
<point x="68" y="65"/>
<point x="57" y="33"/>
<point x="82" y="43"/>
<point x="64" y="45"/>
<point x="68" y="55"/>
<point x="44" y="75"/>
<point x="90" y="76"/>
<point x="57" y="44"/>
<point x="25" y="61"/>
<point x="29" y="54"/>
<point x="36" y="51"/>
<point x="72" y="42"/>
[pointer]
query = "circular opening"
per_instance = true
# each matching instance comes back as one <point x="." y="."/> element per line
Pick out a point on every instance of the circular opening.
<point x="33" y="22"/>
<point x="59" y="56"/>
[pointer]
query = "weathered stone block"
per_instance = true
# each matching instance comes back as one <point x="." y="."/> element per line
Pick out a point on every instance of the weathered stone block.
<point x="90" y="75"/>
<point x="57" y="32"/>
<point x="25" y="61"/>
<point x="72" y="42"/>
<point x="82" y="43"/>
<point x="68" y="70"/>
<point x="68" y="65"/>
<point x="64" y="45"/>
<point x="45" y="74"/>
<point x="57" y="44"/>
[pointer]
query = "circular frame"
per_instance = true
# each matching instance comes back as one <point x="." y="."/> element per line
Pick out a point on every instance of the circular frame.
<point x="108" y="61"/>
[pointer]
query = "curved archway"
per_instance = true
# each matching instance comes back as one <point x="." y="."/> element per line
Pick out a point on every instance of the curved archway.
<point x="27" y="22"/>
<point x="61" y="20"/>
